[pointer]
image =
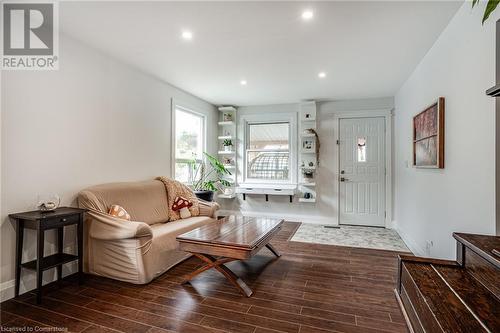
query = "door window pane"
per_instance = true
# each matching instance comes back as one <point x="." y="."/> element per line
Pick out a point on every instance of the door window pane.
<point x="361" y="149"/>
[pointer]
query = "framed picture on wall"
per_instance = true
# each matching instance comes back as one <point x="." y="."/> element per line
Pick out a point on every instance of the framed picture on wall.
<point x="428" y="136"/>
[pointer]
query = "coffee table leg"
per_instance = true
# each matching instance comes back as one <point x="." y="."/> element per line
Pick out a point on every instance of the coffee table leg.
<point x="210" y="263"/>
<point x="218" y="264"/>
<point x="235" y="280"/>
<point x="273" y="250"/>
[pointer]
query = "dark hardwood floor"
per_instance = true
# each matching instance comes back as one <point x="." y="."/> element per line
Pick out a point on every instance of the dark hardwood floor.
<point x="311" y="288"/>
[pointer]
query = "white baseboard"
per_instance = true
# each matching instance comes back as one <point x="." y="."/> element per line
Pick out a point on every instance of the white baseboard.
<point x="410" y="243"/>
<point x="286" y="217"/>
<point x="28" y="279"/>
<point x="7" y="290"/>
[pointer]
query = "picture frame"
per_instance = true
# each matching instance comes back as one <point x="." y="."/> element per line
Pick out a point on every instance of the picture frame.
<point x="308" y="145"/>
<point x="428" y="136"/>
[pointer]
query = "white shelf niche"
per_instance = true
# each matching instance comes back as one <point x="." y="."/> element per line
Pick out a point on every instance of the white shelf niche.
<point x="226" y="123"/>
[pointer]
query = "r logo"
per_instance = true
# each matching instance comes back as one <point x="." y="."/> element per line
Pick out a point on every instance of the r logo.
<point x="28" y="29"/>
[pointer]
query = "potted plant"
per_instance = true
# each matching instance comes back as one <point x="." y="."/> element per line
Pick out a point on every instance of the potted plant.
<point x="228" y="144"/>
<point x="208" y="178"/>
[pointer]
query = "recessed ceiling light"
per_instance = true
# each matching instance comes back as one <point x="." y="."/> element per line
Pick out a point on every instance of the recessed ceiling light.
<point x="187" y="35"/>
<point x="307" y="14"/>
<point x="321" y="75"/>
<point x="243" y="82"/>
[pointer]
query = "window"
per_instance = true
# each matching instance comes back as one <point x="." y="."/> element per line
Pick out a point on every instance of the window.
<point x="268" y="151"/>
<point x="189" y="141"/>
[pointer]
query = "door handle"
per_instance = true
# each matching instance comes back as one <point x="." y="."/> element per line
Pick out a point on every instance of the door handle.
<point x="342" y="179"/>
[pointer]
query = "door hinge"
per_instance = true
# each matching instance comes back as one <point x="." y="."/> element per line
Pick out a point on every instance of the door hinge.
<point x="385" y="214"/>
<point x="338" y="142"/>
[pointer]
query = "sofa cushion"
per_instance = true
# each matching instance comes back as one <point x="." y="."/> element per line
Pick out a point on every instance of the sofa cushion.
<point x="145" y="201"/>
<point x="163" y="253"/>
<point x="164" y="234"/>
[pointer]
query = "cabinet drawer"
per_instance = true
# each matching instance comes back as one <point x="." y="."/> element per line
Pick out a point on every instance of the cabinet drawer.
<point x="249" y="190"/>
<point x="60" y="221"/>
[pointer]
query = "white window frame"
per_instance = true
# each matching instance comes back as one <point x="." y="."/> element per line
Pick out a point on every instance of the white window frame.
<point x="248" y="119"/>
<point x="176" y="105"/>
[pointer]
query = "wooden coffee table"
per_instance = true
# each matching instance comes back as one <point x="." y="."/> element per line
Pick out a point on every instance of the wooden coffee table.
<point x="228" y="239"/>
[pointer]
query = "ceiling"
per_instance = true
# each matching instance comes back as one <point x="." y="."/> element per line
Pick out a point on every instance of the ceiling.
<point x="367" y="49"/>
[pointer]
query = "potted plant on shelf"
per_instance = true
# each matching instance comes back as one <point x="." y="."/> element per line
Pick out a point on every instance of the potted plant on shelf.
<point x="228" y="144"/>
<point x="208" y="178"/>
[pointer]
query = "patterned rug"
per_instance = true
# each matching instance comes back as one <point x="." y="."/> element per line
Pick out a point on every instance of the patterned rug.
<point x="365" y="237"/>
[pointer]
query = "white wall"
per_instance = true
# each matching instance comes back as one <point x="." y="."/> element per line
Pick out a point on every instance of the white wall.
<point x="431" y="204"/>
<point x="93" y="121"/>
<point x="325" y="210"/>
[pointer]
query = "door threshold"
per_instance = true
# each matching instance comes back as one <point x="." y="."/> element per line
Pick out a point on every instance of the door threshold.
<point x="359" y="225"/>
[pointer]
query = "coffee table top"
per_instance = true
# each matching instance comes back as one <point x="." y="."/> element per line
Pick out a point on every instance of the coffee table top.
<point x="233" y="231"/>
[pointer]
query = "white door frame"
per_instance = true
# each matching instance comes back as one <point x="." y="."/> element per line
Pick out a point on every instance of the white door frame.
<point x="387" y="114"/>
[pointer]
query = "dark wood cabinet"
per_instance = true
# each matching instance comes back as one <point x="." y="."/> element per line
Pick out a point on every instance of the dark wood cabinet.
<point x="40" y="222"/>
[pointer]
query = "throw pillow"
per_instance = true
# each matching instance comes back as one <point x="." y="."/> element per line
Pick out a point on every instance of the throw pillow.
<point x="119" y="211"/>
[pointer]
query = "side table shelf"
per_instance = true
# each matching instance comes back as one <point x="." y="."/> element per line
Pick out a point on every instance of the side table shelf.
<point x="51" y="261"/>
<point x="40" y="222"/>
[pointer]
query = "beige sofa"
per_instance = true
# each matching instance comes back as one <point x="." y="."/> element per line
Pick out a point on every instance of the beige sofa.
<point x="139" y="250"/>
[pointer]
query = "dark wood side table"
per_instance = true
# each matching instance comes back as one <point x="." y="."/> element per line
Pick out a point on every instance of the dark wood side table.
<point x="41" y="221"/>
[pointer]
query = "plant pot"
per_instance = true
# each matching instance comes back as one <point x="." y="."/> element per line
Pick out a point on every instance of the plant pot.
<point x="205" y="195"/>
<point x="228" y="148"/>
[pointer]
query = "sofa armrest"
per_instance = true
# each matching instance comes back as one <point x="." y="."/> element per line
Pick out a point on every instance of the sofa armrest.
<point x="208" y="208"/>
<point x="107" y="227"/>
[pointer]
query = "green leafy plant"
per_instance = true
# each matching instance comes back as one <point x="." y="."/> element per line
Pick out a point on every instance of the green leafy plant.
<point x="209" y="177"/>
<point x="490" y="7"/>
<point x="227" y="142"/>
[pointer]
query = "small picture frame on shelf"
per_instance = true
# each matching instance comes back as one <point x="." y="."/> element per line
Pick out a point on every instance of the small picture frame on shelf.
<point x="308" y="145"/>
<point x="227" y="161"/>
<point x="227" y="117"/>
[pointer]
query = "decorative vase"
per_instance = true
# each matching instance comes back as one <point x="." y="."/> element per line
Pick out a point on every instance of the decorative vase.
<point x="205" y="195"/>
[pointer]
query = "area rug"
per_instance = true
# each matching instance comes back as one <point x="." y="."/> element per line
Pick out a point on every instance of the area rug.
<point x="364" y="237"/>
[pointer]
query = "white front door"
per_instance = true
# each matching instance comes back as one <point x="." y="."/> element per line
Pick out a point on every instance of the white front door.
<point x="362" y="171"/>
